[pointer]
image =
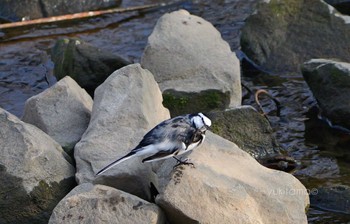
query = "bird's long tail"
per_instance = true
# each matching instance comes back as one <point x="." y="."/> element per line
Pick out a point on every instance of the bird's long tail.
<point x="127" y="156"/>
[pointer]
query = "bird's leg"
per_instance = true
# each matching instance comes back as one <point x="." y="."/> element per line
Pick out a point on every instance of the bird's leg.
<point x="180" y="162"/>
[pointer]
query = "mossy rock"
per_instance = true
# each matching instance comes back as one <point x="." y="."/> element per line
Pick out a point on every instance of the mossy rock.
<point x="248" y="129"/>
<point x="205" y="101"/>
<point x="89" y="66"/>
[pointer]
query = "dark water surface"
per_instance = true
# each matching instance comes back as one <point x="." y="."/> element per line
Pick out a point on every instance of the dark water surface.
<point x="25" y="62"/>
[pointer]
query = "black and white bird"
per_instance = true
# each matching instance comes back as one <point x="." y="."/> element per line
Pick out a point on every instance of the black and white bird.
<point x="170" y="138"/>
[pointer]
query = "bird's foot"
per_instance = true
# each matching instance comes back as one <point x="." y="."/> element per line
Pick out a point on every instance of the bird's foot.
<point x="183" y="162"/>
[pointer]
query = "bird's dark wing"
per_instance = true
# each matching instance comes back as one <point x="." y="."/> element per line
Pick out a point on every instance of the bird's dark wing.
<point x="160" y="154"/>
<point x="175" y="129"/>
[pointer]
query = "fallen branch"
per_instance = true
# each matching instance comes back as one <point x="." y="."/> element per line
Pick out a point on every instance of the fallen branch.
<point x="277" y="103"/>
<point x="81" y="15"/>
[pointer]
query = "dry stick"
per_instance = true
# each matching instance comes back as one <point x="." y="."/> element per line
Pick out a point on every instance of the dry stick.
<point x="81" y="15"/>
<point x="278" y="104"/>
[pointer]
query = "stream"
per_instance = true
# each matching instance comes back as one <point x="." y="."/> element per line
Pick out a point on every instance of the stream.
<point x="322" y="152"/>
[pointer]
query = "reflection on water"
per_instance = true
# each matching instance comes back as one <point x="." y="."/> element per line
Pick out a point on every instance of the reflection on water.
<point x="25" y="63"/>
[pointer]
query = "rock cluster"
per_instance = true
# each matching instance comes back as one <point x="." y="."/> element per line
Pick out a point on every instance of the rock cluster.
<point x="311" y="38"/>
<point x="227" y="185"/>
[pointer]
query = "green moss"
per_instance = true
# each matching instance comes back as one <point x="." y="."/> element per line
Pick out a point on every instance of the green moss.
<point x="171" y="101"/>
<point x="63" y="57"/>
<point x="205" y="101"/>
<point x="217" y="129"/>
<point x="286" y="8"/>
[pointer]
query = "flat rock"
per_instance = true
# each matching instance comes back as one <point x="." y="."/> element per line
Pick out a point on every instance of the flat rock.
<point x="329" y="82"/>
<point x="195" y="68"/>
<point x="35" y="173"/>
<point x="88" y="65"/>
<point x="228" y="186"/>
<point x="62" y="111"/>
<point x="126" y="106"/>
<point x="282" y="35"/>
<point x="89" y="203"/>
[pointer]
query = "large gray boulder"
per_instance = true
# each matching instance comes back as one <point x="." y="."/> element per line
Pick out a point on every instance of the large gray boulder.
<point x="88" y="65"/>
<point x="195" y="68"/>
<point x="126" y="106"/>
<point x="329" y="82"/>
<point x="35" y="173"/>
<point x="62" y="111"/>
<point x="281" y="35"/>
<point x="228" y="186"/>
<point x="89" y="203"/>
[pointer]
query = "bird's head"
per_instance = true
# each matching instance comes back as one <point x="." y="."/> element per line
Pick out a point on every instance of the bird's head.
<point x="201" y="122"/>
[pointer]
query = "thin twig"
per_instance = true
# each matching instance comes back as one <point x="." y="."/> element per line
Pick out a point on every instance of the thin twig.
<point x="81" y="15"/>
<point x="277" y="103"/>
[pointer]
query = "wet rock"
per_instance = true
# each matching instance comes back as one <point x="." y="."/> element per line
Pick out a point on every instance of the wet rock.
<point x="87" y="65"/>
<point x="329" y="82"/>
<point x="333" y="198"/>
<point x="228" y="186"/>
<point x="318" y="132"/>
<point x="280" y="162"/>
<point x="195" y="68"/>
<point x="284" y="34"/>
<point x="62" y="111"/>
<point x="252" y="132"/>
<point x="34" y="172"/>
<point x="126" y="106"/>
<point x="89" y="203"/>
<point x="33" y="9"/>
<point x="248" y="129"/>
<point x="319" y="168"/>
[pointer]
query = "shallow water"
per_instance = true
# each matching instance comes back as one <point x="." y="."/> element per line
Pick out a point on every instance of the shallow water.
<point x="25" y="64"/>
